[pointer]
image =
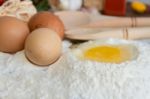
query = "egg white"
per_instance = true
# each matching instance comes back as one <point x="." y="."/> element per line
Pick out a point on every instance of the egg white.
<point x="123" y="44"/>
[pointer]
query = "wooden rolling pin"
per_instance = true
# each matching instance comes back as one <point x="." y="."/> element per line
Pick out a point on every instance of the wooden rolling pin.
<point x="120" y="22"/>
<point x="124" y="33"/>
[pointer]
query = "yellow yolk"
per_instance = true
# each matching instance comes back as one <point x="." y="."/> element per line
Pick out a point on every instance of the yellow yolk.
<point x="111" y="54"/>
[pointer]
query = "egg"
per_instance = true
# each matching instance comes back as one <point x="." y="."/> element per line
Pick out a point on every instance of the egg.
<point x="138" y="6"/>
<point x="43" y="47"/>
<point x="107" y="51"/>
<point x="13" y="33"/>
<point x="46" y="19"/>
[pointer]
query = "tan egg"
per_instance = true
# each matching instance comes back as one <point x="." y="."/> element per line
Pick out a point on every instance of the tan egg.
<point x="13" y="33"/>
<point x="43" y="46"/>
<point x="46" y="19"/>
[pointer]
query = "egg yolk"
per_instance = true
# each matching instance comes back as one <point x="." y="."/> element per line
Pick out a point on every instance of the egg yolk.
<point x="111" y="54"/>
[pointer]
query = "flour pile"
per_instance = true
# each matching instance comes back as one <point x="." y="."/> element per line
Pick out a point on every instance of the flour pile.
<point x="71" y="78"/>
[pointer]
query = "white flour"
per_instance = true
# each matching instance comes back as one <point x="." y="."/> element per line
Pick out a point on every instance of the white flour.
<point x="74" y="79"/>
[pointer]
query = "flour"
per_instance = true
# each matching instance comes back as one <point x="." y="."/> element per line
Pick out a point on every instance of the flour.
<point x="71" y="78"/>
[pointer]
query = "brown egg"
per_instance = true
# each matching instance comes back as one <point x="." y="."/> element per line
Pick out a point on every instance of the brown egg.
<point x="43" y="46"/>
<point x="13" y="33"/>
<point x="46" y="19"/>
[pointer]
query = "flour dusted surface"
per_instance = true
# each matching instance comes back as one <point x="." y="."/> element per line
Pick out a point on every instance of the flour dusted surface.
<point x="71" y="78"/>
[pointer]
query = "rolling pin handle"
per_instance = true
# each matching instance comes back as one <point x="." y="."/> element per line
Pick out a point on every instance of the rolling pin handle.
<point x="133" y="22"/>
<point x="125" y="34"/>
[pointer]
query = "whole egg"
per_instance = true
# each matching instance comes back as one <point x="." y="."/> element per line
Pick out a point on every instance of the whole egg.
<point x="13" y="33"/>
